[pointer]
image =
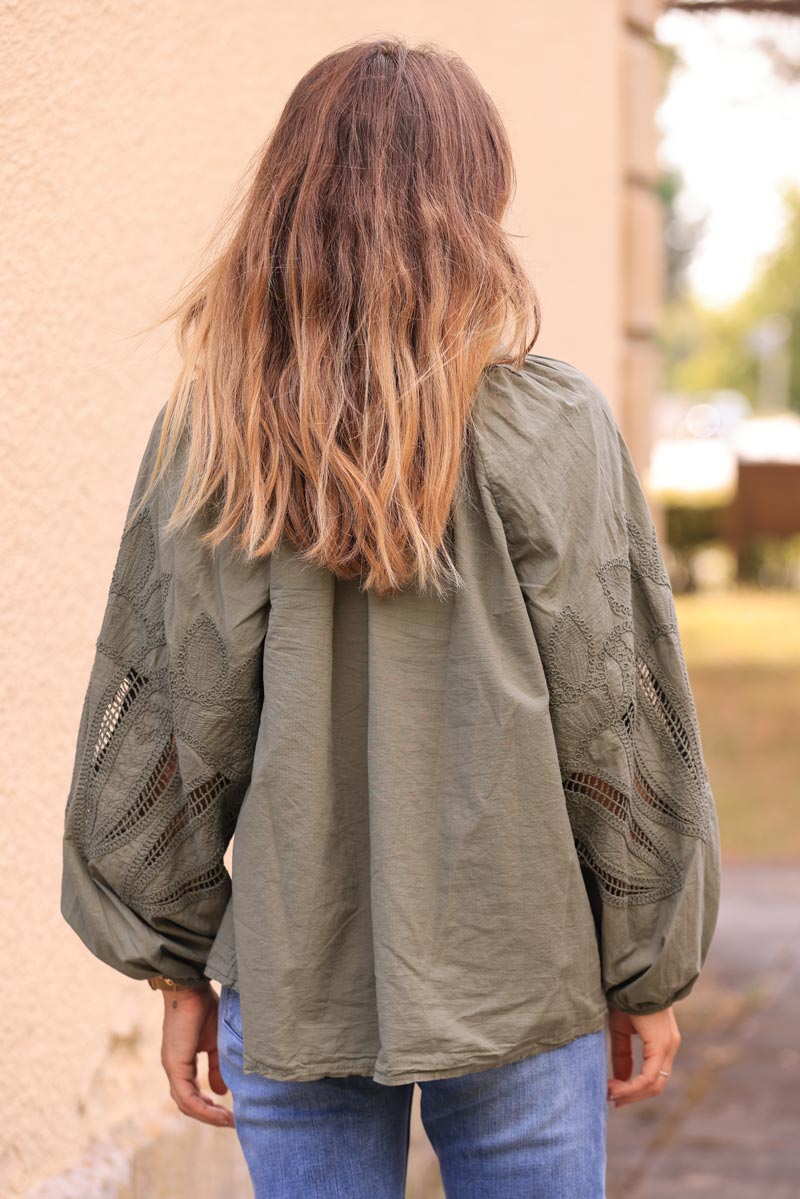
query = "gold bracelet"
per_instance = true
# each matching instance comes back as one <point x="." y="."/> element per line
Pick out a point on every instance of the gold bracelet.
<point x="162" y="983"/>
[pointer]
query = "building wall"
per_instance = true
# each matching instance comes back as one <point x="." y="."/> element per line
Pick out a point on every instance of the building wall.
<point x="128" y="128"/>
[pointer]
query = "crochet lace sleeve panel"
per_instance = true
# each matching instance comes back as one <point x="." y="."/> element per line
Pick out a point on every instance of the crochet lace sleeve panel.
<point x="165" y="749"/>
<point x="625" y="724"/>
<point x="624" y="721"/>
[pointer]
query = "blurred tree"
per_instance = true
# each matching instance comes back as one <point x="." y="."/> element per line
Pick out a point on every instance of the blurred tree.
<point x="790" y="8"/>
<point x="715" y="348"/>
<point x="682" y="233"/>
<point x="786" y="67"/>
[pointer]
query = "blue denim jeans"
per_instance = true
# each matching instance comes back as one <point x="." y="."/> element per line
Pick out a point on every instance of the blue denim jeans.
<point x="530" y="1129"/>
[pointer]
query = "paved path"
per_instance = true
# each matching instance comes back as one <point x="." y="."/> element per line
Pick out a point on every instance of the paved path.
<point x="728" y="1126"/>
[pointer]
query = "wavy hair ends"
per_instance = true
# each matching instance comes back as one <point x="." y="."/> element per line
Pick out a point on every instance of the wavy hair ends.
<point x="332" y="351"/>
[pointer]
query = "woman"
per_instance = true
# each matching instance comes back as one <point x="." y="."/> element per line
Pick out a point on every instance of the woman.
<point x="390" y="604"/>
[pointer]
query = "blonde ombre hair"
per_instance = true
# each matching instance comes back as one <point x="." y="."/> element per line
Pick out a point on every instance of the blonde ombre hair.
<point x="332" y="351"/>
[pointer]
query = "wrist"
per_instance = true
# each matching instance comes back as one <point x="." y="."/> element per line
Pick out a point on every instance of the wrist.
<point x="181" y="996"/>
<point x="170" y="985"/>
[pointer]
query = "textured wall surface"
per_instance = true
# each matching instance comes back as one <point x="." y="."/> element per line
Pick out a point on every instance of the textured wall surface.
<point x="125" y="131"/>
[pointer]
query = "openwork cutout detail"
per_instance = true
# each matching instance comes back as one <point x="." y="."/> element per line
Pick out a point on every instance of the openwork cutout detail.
<point x="666" y="712"/>
<point x="618" y="889"/>
<point x="614" y="801"/>
<point x="169" y="899"/>
<point x="663" y="810"/>
<point x="130" y="687"/>
<point x="199" y="804"/>
<point x="159" y="781"/>
<point x="156" y="785"/>
<point x="626" y="728"/>
<point x="613" y="840"/>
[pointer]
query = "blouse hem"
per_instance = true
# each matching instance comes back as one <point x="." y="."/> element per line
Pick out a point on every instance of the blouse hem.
<point x="226" y="978"/>
<point x="366" y="1066"/>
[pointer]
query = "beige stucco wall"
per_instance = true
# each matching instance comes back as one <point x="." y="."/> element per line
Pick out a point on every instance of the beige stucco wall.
<point x="125" y="130"/>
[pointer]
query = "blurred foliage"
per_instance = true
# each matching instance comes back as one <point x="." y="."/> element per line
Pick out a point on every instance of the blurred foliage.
<point x="681" y="235"/>
<point x="788" y="8"/>
<point x="709" y="348"/>
<point x="773" y="561"/>
<point x="691" y="532"/>
<point x="688" y="528"/>
<point x="690" y="525"/>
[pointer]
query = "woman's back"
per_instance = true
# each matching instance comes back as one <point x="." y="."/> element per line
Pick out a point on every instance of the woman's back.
<point x="419" y="784"/>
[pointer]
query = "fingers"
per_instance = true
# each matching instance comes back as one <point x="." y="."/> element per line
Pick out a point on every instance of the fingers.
<point x="215" y="1079"/>
<point x="621" y="1053"/>
<point x="190" y="1099"/>
<point x="646" y="1085"/>
<point x="660" y="1043"/>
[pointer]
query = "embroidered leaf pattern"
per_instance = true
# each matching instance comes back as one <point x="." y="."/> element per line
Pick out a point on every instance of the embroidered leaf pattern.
<point x="159" y="780"/>
<point x="626" y="728"/>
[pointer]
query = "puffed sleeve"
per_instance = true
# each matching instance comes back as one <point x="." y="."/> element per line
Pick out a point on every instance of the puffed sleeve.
<point x="594" y="582"/>
<point x="165" y="744"/>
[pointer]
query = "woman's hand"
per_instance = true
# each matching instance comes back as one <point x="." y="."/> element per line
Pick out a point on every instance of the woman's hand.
<point x="660" y="1042"/>
<point x="190" y="1027"/>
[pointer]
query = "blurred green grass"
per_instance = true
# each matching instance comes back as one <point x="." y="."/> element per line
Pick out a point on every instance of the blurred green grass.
<point x="743" y="655"/>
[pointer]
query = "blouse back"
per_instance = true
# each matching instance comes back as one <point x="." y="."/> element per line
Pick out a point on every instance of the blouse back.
<point x="463" y="827"/>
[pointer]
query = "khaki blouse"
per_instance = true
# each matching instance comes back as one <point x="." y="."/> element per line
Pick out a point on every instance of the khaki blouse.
<point x="463" y="827"/>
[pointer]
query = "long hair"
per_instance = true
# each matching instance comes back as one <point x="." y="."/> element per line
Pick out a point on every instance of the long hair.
<point x="332" y="351"/>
